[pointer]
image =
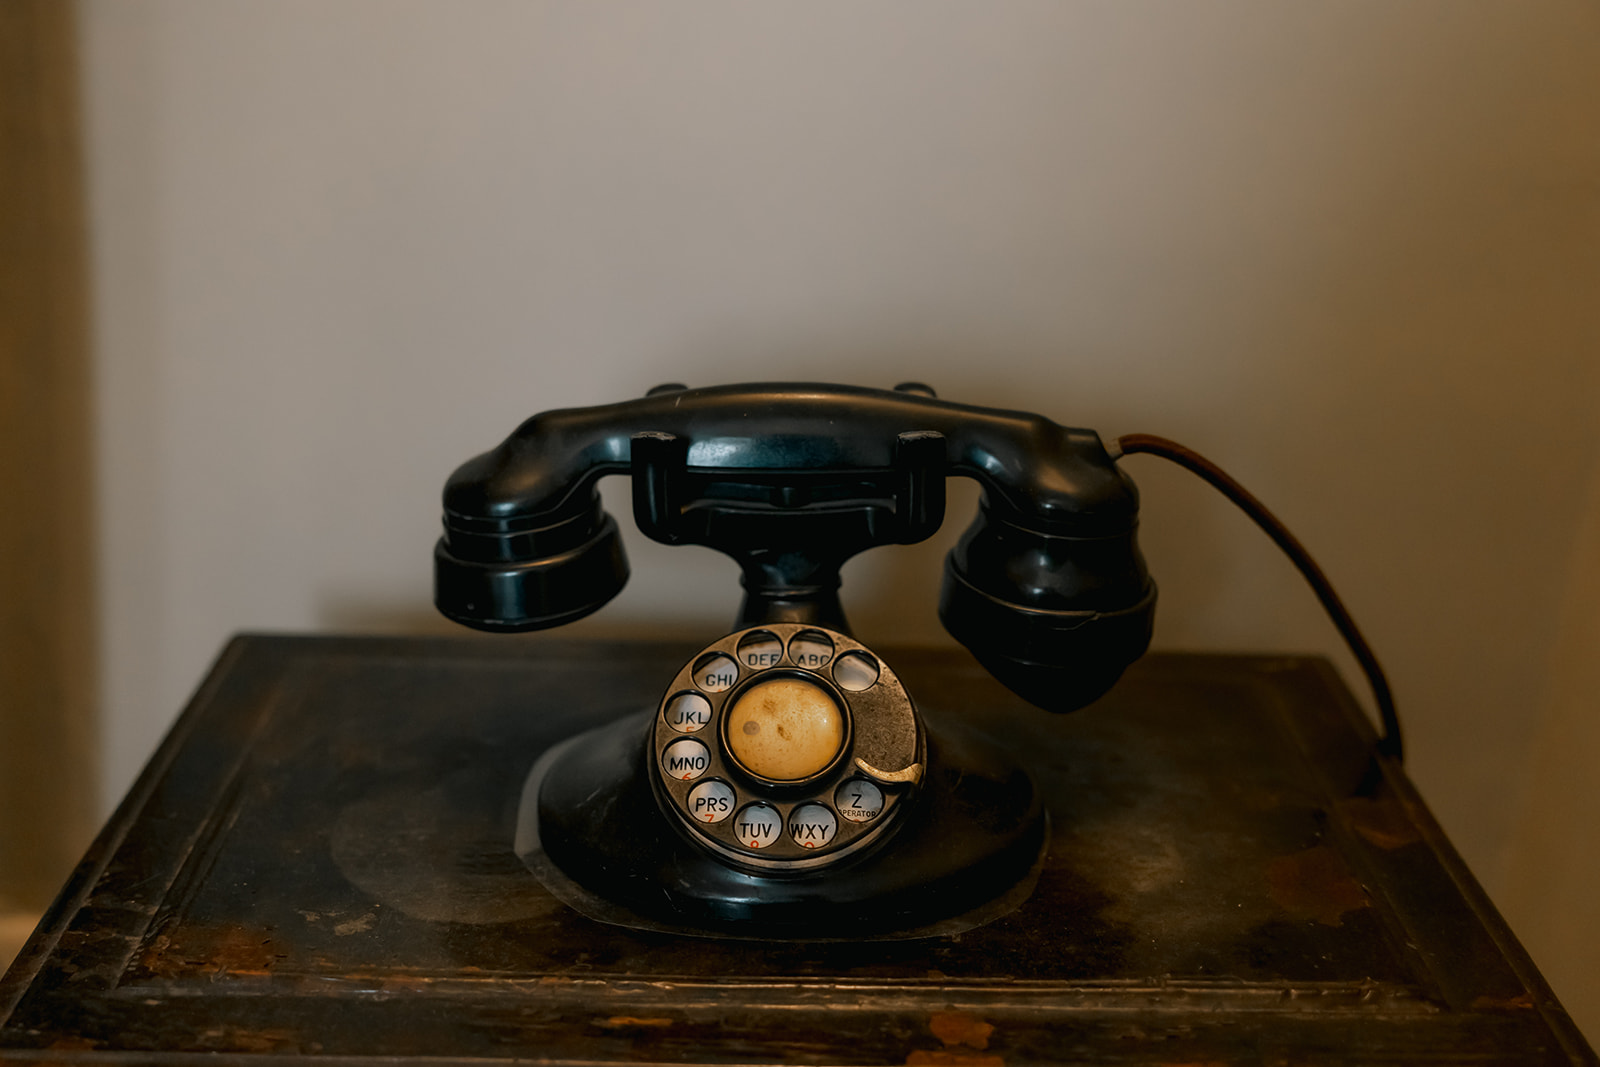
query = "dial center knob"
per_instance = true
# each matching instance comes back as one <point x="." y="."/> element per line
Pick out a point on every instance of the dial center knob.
<point x="785" y="729"/>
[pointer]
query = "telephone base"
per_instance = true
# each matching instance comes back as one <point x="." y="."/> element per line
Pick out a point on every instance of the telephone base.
<point x="966" y="853"/>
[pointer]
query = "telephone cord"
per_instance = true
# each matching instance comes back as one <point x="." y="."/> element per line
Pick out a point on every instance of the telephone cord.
<point x="1390" y="744"/>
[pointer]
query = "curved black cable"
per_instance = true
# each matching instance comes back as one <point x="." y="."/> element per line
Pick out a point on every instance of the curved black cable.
<point x="1390" y="744"/>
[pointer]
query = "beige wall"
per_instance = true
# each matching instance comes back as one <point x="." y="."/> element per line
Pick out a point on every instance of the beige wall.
<point x="1349" y="249"/>
<point x="1552" y="890"/>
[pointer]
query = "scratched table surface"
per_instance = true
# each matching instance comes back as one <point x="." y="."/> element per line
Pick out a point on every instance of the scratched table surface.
<point x="318" y="864"/>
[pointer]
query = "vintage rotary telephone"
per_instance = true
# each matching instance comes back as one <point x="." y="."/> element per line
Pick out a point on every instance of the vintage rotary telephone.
<point x="785" y="783"/>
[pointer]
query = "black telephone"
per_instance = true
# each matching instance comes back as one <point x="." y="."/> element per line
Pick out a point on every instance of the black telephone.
<point x="785" y="774"/>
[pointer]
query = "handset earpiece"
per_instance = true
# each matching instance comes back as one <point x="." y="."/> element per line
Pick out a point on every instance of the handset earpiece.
<point x="1055" y="616"/>
<point x="514" y="573"/>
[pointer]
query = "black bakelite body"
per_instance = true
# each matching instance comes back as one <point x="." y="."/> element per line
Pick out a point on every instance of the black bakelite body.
<point x="1046" y="588"/>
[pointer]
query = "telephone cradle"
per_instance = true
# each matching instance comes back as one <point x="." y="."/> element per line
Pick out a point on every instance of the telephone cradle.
<point x="781" y="844"/>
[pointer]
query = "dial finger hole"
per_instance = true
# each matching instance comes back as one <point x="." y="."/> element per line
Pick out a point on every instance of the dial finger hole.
<point x="758" y="825"/>
<point x="760" y="650"/>
<point x="856" y="671"/>
<point x="716" y="673"/>
<point x="710" y="801"/>
<point x="858" y="800"/>
<point x="812" y="825"/>
<point x="687" y="713"/>
<point x="811" y="649"/>
<point x="685" y="760"/>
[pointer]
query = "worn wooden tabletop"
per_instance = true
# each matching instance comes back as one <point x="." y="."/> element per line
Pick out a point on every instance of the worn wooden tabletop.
<point x="318" y="864"/>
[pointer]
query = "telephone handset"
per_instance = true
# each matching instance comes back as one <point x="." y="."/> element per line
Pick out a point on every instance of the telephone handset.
<point x="1047" y="587"/>
<point x="785" y="783"/>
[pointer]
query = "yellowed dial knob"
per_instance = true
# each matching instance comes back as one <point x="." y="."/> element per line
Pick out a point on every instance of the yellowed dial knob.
<point x="785" y="729"/>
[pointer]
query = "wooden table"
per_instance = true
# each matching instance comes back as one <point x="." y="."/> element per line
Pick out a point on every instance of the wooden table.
<point x="318" y="863"/>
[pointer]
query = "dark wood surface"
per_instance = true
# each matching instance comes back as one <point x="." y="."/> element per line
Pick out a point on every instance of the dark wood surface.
<point x="318" y="863"/>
